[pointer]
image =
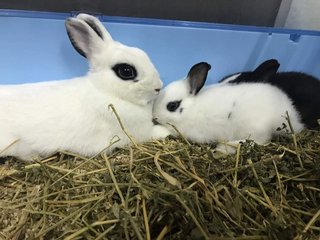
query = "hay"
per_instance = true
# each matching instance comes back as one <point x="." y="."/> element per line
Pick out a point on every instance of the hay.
<point x="168" y="189"/>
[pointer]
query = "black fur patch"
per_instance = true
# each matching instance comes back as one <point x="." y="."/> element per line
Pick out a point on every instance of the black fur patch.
<point x="304" y="91"/>
<point x="301" y="88"/>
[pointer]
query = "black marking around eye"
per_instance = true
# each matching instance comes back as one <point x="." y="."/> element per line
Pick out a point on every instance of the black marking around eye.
<point x="173" y="106"/>
<point x="125" y="71"/>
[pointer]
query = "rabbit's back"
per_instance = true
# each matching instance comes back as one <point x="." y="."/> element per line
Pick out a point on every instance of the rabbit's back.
<point x="232" y="112"/>
<point x="302" y="88"/>
<point x="70" y="115"/>
<point x="33" y="102"/>
<point x="42" y="116"/>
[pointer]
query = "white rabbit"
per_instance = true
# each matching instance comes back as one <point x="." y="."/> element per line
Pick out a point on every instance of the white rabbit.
<point x="223" y="112"/>
<point x="39" y="119"/>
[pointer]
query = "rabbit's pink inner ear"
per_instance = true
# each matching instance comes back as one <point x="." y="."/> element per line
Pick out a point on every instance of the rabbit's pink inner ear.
<point x="197" y="77"/>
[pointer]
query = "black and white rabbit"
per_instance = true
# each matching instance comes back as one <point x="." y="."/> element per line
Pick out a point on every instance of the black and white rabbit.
<point x="301" y="88"/>
<point x="38" y="119"/>
<point x="223" y="113"/>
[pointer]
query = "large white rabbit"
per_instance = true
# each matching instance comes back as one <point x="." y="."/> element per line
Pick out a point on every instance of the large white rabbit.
<point x="39" y="119"/>
<point x="223" y="112"/>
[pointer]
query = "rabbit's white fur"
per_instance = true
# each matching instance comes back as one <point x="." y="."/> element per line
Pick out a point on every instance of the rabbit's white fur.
<point x="226" y="113"/>
<point x="39" y="119"/>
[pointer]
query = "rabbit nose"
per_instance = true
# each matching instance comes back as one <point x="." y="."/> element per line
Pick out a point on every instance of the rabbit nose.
<point x="155" y="121"/>
<point x="157" y="90"/>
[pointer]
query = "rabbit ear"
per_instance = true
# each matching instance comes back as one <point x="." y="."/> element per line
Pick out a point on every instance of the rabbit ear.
<point x="83" y="38"/>
<point x="267" y="69"/>
<point x="96" y="25"/>
<point x="197" y="76"/>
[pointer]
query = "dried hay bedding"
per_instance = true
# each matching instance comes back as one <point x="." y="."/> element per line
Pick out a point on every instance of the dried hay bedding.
<point x="167" y="190"/>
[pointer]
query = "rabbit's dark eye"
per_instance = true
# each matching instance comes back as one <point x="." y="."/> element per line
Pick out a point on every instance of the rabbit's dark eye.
<point x="172" y="106"/>
<point x="125" y="71"/>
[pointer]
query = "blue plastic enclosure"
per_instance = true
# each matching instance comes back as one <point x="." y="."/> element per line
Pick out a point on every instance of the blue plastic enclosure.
<point x="35" y="47"/>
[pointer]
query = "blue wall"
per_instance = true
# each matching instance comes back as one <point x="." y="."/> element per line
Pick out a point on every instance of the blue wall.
<point x="35" y="47"/>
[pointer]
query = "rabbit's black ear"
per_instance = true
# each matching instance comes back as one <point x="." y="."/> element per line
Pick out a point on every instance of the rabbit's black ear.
<point x="266" y="70"/>
<point x="197" y="76"/>
<point x="83" y="38"/>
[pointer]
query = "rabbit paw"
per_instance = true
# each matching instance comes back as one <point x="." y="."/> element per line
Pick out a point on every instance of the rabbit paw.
<point x="160" y="132"/>
<point x="226" y="148"/>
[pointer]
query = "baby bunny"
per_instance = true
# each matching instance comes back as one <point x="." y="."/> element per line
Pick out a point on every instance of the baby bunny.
<point x="39" y="119"/>
<point x="301" y="88"/>
<point x="223" y="112"/>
